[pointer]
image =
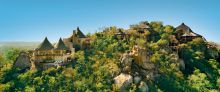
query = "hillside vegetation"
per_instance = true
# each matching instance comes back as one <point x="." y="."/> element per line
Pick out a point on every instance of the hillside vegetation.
<point x="194" y="67"/>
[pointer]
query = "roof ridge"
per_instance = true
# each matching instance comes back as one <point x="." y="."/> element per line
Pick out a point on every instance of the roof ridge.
<point x="79" y="33"/>
<point x="184" y="27"/>
<point x="45" y="45"/>
<point x="60" y="45"/>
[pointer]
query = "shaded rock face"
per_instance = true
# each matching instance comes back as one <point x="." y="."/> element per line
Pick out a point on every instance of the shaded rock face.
<point x="123" y="80"/>
<point x="126" y="62"/>
<point x="135" y="67"/>
<point x="141" y="58"/>
<point x="142" y="65"/>
<point x="22" y="61"/>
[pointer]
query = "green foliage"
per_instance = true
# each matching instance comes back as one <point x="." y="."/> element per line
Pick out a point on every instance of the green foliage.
<point x="172" y="83"/>
<point x="199" y="81"/>
<point x="168" y="29"/>
<point x="12" y="54"/>
<point x="2" y="61"/>
<point x="94" y="69"/>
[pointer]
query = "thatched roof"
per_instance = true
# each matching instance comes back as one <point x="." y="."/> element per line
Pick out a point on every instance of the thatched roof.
<point x="45" y="45"/>
<point x="60" y="45"/>
<point x="78" y="33"/>
<point x="184" y="28"/>
<point x="22" y="61"/>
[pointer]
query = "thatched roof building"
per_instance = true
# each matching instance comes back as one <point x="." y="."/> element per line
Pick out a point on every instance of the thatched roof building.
<point x="45" y="45"/>
<point x="22" y="61"/>
<point x="60" y="45"/>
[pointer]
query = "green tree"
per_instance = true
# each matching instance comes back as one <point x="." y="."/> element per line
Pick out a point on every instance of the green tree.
<point x="199" y="81"/>
<point x="2" y="61"/>
<point x="218" y="83"/>
<point x="12" y="54"/>
<point x="168" y="29"/>
<point x="29" y="89"/>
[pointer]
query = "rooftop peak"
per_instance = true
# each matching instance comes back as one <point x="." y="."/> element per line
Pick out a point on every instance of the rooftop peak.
<point x="78" y="33"/>
<point x="60" y="45"/>
<point x="77" y="29"/>
<point x="45" y="45"/>
<point x="183" y="23"/>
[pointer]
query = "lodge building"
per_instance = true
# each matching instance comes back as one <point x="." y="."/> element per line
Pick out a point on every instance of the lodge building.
<point x="47" y="55"/>
<point x="185" y="34"/>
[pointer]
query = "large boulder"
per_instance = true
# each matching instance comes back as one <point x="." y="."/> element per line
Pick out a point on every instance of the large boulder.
<point x="126" y="59"/>
<point x="123" y="80"/>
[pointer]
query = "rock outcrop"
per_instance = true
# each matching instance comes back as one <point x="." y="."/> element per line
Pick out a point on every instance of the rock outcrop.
<point x="126" y="62"/>
<point x="123" y="80"/>
<point x="135" y="64"/>
<point x="137" y="68"/>
<point x="143" y="66"/>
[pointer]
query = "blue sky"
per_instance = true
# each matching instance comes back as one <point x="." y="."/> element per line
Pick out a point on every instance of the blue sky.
<point x="32" y="20"/>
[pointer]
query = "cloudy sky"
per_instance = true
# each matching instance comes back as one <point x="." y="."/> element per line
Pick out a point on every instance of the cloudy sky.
<point x="32" y="20"/>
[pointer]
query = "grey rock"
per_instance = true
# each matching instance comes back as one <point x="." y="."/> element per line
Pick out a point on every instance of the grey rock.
<point x="123" y="80"/>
